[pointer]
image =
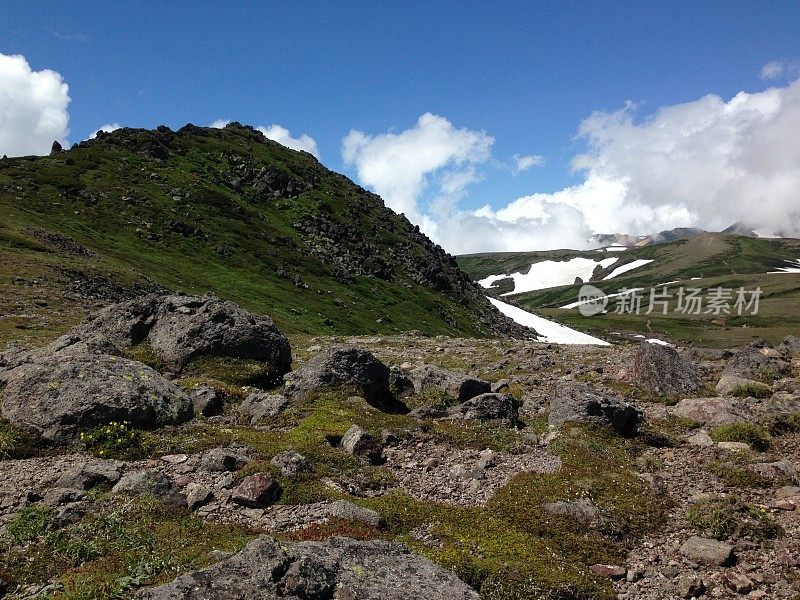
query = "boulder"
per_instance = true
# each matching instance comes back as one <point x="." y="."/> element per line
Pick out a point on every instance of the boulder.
<point x="708" y="552"/>
<point x="66" y="393"/>
<point x="712" y="411"/>
<point x="750" y="363"/>
<point x="256" y="491"/>
<point x="457" y="386"/>
<point x="577" y="402"/>
<point x="89" y="474"/>
<point x="661" y="371"/>
<point x="346" y="366"/>
<point x="290" y="463"/>
<point x="220" y="460"/>
<point x="197" y="495"/>
<point x="151" y="483"/>
<point x="493" y="408"/>
<point x="261" y="405"/>
<point x="336" y="568"/>
<point x="582" y="511"/>
<point x="179" y="329"/>
<point x="732" y="385"/>
<point x="207" y="402"/>
<point x="361" y="444"/>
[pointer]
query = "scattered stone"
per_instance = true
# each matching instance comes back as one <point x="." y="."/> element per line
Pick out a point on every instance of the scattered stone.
<point x="750" y="363"/>
<point x="207" y="402"/>
<point x="661" y="371"/>
<point x="223" y="459"/>
<point x="732" y="385"/>
<point x="733" y="446"/>
<point x="788" y="491"/>
<point x="582" y="510"/>
<point x="87" y="475"/>
<point x="261" y="405"/>
<point x="342" y="509"/>
<point x="290" y="463"/>
<point x="345" y="366"/>
<point x="701" y="439"/>
<point x="67" y="393"/>
<point x="457" y="386"/>
<point x="256" y="491"/>
<point x="153" y="483"/>
<point x="493" y="408"/>
<point x="690" y="586"/>
<point x="360" y="443"/>
<point x="709" y="552"/>
<point x="367" y="570"/>
<point x="577" y="402"/>
<point x="712" y="411"/>
<point x="197" y="495"/>
<point x="738" y="582"/>
<point x="613" y="572"/>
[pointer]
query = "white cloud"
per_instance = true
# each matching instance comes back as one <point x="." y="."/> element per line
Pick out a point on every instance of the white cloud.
<point x="107" y="128"/>
<point x="523" y="163"/>
<point x="706" y="163"/>
<point x="33" y="108"/>
<point x="278" y="133"/>
<point x="399" y="166"/>
<point x="773" y="69"/>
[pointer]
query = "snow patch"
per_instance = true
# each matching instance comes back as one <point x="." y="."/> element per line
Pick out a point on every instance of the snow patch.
<point x="550" y="273"/>
<point x="627" y="267"/>
<point x="793" y="266"/>
<point x="549" y="331"/>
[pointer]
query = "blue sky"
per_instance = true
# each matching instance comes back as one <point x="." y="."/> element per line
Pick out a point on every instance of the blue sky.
<point x="527" y="74"/>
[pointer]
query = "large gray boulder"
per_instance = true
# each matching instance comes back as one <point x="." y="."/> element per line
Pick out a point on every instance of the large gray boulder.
<point x="457" y="386"/>
<point x="750" y="363"/>
<point x="58" y="397"/>
<point x="578" y="403"/>
<point x="712" y="411"/>
<point x="339" y="568"/>
<point x="179" y="329"/>
<point x="661" y="371"/>
<point x="498" y="409"/>
<point x="344" y="366"/>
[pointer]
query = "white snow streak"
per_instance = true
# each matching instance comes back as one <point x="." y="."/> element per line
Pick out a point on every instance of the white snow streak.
<point x="550" y="273"/>
<point x="549" y="331"/>
<point x="628" y="267"/>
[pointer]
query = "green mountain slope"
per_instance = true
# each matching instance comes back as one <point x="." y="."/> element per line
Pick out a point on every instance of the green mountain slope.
<point x="706" y="261"/>
<point x="220" y="210"/>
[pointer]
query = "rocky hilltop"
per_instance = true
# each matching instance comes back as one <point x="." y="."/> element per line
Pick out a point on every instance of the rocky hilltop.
<point x="177" y="446"/>
<point x="227" y="211"/>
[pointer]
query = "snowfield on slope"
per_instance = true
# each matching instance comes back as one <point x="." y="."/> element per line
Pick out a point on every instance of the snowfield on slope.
<point x="549" y="331"/>
<point x="792" y="266"/>
<point x="550" y="273"/>
<point x="628" y="267"/>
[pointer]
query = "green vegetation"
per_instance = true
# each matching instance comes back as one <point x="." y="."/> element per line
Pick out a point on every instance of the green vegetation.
<point x="117" y="547"/>
<point x="784" y="424"/>
<point x="194" y="215"/>
<point x="730" y="518"/>
<point x="115" y="440"/>
<point x="513" y="548"/>
<point x="752" y="389"/>
<point x="718" y="260"/>
<point x="754" y="435"/>
<point x="15" y="443"/>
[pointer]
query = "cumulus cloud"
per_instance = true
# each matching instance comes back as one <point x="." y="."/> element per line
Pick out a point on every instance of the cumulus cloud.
<point x="107" y="128"/>
<point x="278" y="133"/>
<point x="706" y="163"/>
<point x="400" y="166"/>
<point x="523" y="163"/>
<point x="33" y="108"/>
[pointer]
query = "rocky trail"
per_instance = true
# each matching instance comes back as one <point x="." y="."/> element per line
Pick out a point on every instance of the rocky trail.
<point x="174" y="446"/>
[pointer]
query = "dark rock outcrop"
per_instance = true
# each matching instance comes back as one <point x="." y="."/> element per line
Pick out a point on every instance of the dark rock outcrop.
<point x="457" y="386"/>
<point x="661" y="371"/>
<point x="344" y="366"/>
<point x="337" y="568"/>
<point x="750" y="363"/>
<point x="491" y="408"/>
<point x="577" y="402"/>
